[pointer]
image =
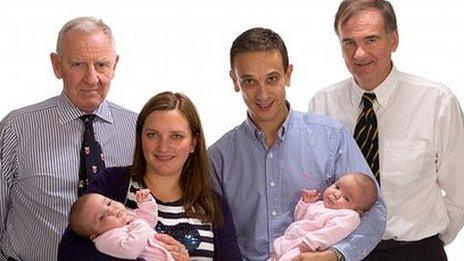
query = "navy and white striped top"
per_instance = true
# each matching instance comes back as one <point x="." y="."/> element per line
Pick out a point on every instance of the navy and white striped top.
<point x="196" y="236"/>
<point x="39" y="157"/>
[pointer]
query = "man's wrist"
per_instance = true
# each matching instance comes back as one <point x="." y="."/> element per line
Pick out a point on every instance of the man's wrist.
<point x="337" y="253"/>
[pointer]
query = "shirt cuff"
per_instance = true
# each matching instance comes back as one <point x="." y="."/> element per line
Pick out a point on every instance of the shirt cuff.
<point x="337" y="253"/>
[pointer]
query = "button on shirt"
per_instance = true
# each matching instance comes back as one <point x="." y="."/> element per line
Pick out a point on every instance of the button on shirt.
<point x="421" y="146"/>
<point x="263" y="185"/>
<point x="39" y="156"/>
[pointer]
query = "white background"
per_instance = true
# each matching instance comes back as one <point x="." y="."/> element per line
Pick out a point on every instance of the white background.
<point x="184" y="46"/>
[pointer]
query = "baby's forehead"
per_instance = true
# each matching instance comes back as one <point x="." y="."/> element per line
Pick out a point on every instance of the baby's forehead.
<point x="94" y="202"/>
<point x="96" y="197"/>
<point x="353" y="185"/>
<point x="349" y="181"/>
<point x="357" y="180"/>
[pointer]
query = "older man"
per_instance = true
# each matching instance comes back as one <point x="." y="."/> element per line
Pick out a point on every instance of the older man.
<point x="42" y="162"/>
<point x="262" y="165"/>
<point x="411" y="132"/>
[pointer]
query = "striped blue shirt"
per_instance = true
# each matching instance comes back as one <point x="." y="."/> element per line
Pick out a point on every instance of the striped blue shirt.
<point x="263" y="185"/>
<point x="39" y="157"/>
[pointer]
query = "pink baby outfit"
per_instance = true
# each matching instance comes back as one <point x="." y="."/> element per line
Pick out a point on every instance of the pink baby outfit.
<point x="137" y="238"/>
<point x="319" y="227"/>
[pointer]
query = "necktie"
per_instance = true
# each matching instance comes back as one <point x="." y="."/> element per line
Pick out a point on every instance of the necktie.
<point x="91" y="155"/>
<point x="366" y="134"/>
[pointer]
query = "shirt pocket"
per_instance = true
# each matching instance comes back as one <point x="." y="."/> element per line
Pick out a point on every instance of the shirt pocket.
<point x="404" y="162"/>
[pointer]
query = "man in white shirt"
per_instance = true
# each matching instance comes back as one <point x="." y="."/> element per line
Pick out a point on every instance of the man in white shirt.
<point x="418" y="146"/>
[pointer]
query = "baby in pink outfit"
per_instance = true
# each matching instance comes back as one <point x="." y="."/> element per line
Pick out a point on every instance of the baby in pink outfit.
<point x="321" y="223"/>
<point x="116" y="231"/>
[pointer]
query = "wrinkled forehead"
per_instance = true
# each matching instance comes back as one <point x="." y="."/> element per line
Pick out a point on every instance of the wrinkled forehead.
<point x="79" y="40"/>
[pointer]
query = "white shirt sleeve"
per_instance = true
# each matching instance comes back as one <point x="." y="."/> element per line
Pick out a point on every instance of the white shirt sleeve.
<point x="450" y="164"/>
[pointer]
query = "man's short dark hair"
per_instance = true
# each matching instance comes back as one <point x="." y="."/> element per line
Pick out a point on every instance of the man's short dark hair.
<point x="258" y="39"/>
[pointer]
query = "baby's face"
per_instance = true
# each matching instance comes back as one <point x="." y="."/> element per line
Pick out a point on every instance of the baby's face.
<point x="343" y="194"/>
<point x="104" y="214"/>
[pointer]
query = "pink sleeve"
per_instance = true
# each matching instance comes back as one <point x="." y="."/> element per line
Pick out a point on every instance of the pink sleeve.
<point x="337" y="227"/>
<point x="148" y="211"/>
<point x="125" y="242"/>
<point x="300" y="210"/>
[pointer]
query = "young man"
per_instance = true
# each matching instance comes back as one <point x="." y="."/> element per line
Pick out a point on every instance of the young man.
<point x="416" y="141"/>
<point x="262" y="165"/>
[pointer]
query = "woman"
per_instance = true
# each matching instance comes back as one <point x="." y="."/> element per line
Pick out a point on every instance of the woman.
<point x="170" y="159"/>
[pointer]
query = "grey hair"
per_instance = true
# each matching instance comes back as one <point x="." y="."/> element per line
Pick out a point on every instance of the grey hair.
<point x="86" y="24"/>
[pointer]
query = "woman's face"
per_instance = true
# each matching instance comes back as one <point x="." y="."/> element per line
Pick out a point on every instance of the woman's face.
<point x="166" y="142"/>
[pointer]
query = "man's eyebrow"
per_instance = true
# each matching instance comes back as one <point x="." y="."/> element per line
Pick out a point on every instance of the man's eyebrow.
<point x="246" y="75"/>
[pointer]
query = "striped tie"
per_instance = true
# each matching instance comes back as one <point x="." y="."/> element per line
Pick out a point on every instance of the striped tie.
<point x="366" y="134"/>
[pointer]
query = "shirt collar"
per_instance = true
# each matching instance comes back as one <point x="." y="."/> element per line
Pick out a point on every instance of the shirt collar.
<point x="283" y="130"/>
<point x="67" y="112"/>
<point x="383" y="92"/>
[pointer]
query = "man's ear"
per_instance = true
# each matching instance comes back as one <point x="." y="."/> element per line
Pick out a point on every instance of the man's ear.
<point x="395" y="39"/>
<point x="116" y="62"/>
<point x="234" y="80"/>
<point x="288" y="75"/>
<point x="114" y="66"/>
<point x="56" y="64"/>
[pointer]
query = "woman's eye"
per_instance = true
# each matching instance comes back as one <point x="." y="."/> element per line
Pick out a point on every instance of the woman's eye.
<point x="151" y="135"/>
<point x="177" y="136"/>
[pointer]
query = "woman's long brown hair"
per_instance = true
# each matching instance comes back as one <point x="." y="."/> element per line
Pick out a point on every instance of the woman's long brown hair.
<point x="198" y="197"/>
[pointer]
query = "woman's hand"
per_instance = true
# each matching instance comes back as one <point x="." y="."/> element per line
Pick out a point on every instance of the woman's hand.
<point x="177" y="250"/>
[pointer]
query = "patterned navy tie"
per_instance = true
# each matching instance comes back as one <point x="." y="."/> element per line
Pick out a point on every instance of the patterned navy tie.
<point x="367" y="136"/>
<point x="92" y="159"/>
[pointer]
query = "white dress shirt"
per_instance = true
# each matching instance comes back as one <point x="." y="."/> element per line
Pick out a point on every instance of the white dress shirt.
<point x="421" y="146"/>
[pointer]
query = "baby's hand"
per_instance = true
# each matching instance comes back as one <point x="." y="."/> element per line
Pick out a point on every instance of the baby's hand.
<point x="309" y="195"/>
<point x="142" y="195"/>
<point x="304" y="248"/>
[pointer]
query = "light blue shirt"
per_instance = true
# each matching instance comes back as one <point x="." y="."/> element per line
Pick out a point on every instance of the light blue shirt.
<point x="263" y="185"/>
<point x="39" y="169"/>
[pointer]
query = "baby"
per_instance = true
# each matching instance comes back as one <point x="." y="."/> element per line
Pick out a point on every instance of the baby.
<point x="321" y="223"/>
<point x="116" y="231"/>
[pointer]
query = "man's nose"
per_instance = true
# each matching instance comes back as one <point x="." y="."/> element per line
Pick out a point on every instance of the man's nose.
<point x="90" y="76"/>
<point x="360" y="52"/>
<point x="262" y="92"/>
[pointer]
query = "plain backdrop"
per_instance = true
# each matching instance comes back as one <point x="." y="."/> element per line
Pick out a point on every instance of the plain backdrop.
<point x="184" y="46"/>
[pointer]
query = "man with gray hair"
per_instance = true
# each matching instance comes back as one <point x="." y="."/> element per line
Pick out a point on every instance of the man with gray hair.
<point x="47" y="149"/>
